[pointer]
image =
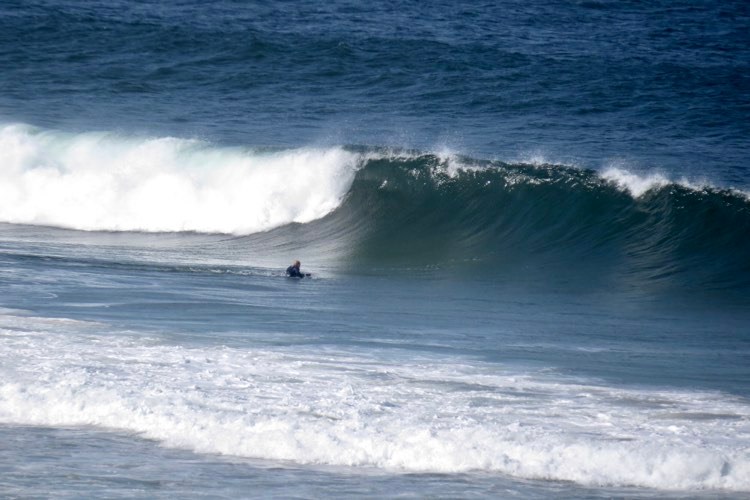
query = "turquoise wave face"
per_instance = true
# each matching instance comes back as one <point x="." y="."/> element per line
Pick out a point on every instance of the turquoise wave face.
<point x="499" y="219"/>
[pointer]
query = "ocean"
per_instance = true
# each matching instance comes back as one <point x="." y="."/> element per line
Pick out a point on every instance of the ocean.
<point x="527" y="226"/>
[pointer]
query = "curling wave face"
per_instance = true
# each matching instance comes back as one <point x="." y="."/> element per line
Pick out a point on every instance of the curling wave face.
<point x="460" y="210"/>
<point x="355" y="206"/>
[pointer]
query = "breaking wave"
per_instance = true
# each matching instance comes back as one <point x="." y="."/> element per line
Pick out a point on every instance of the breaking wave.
<point x="383" y="207"/>
<point x="99" y="181"/>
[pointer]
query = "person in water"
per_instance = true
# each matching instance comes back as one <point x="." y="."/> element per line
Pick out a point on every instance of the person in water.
<point x="294" y="272"/>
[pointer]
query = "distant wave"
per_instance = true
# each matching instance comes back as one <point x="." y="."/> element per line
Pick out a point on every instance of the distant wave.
<point x="381" y="206"/>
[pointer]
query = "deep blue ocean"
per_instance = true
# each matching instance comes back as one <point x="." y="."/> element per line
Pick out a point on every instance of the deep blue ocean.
<point x="527" y="224"/>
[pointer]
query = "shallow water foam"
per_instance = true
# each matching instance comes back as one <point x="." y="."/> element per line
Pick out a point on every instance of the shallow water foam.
<point x="331" y="406"/>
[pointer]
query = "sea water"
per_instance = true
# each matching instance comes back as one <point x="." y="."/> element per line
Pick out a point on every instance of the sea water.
<point x="527" y="223"/>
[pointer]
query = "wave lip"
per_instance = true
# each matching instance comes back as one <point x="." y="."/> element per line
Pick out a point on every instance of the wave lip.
<point x="98" y="181"/>
<point x="635" y="184"/>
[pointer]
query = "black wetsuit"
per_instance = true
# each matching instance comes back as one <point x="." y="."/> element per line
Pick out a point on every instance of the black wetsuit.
<point x="294" y="272"/>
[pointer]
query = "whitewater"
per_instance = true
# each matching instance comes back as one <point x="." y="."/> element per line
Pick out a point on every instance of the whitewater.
<point x="370" y="409"/>
<point x="98" y="181"/>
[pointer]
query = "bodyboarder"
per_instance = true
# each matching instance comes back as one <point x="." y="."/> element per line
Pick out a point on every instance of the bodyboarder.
<point x="294" y="272"/>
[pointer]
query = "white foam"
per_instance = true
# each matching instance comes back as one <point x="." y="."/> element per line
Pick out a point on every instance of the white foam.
<point x="451" y="163"/>
<point x="326" y="406"/>
<point x="639" y="184"/>
<point x="636" y="185"/>
<point x="97" y="181"/>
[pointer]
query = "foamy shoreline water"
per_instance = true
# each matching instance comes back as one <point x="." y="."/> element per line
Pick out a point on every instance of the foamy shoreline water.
<point x="360" y="409"/>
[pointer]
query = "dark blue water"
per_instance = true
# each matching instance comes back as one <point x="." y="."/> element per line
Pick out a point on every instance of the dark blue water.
<point x="528" y="225"/>
<point x="663" y="85"/>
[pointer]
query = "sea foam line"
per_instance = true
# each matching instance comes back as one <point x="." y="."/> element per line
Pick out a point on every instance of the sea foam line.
<point x="362" y="409"/>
